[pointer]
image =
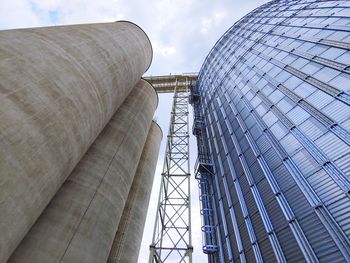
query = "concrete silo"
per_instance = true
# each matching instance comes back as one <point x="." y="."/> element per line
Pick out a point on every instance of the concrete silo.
<point x="59" y="87"/>
<point x="80" y="222"/>
<point x="127" y="241"/>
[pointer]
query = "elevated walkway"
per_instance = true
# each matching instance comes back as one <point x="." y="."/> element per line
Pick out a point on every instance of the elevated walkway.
<point x="167" y="84"/>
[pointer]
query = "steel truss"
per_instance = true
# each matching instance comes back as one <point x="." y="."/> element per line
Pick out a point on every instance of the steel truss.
<point x="172" y="231"/>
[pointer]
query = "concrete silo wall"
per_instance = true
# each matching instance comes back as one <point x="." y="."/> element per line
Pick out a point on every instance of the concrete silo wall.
<point x="59" y="86"/>
<point x="126" y="244"/>
<point x="80" y="222"/>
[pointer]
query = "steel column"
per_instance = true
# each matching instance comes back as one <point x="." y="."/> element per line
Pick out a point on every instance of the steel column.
<point x="172" y="229"/>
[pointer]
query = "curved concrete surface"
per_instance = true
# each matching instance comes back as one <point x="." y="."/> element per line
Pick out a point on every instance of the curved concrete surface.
<point x="59" y="86"/>
<point x="80" y="222"/>
<point x="127" y="241"/>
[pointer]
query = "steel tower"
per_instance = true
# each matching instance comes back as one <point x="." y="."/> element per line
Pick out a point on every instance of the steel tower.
<point x="172" y="229"/>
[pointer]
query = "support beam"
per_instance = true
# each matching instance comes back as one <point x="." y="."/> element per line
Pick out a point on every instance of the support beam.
<point x="172" y="231"/>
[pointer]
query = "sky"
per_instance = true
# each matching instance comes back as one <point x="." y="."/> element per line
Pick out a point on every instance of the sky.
<point x="182" y="32"/>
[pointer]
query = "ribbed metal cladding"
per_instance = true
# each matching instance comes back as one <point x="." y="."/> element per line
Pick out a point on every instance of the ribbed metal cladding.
<point x="275" y="96"/>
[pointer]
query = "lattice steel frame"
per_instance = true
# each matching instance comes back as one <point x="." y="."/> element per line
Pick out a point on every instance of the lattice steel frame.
<point x="172" y="229"/>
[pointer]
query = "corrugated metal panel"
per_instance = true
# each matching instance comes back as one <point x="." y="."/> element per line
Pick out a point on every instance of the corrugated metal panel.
<point x="313" y="128"/>
<point x="250" y="203"/>
<point x="229" y="142"/>
<point x="332" y="257"/>
<point x="343" y="164"/>
<point x="265" y="67"/>
<point x="238" y="167"/>
<point x="305" y="162"/>
<point x="250" y="255"/>
<point x="304" y="90"/>
<point x="234" y="196"/>
<point x="244" y="184"/>
<point x="250" y="121"/>
<point x="265" y="191"/>
<point x="244" y="144"/>
<point x="234" y="157"/>
<point x="332" y="146"/>
<point x="255" y="131"/>
<point x="224" y="249"/>
<point x="225" y="204"/>
<point x="276" y="96"/>
<point x="276" y="215"/>
<point x="319" y="239"/>
<point x="278" y="130"/>
<point x="290" y="144"/>
<point x="239" y="133"/>
<point x="289" y="245"/>
<point x="239" y="214"/>
<point x="229" y="176"/>
<point x="239" y="106"/>
<point x="249" y="157"/>
<point x="245" y="237"/>
<point x="272" y="159"/>
<point x="222" y="234"/>
<point x="300" y="208"/>
<point x="346" y="124"/>
<point x="337" y="111"/>
<point x="263" y="144"/>
<point x="297" y="115"/>
<point x="261" y="109"/>
<point x="324" y="186"/>
<point x="266" y="250"/>
<point x="245" y="113"/>
<point x="269" y="118"/>
<point x="283" y="177"/>
<point x="230" y="228"/>
<point x="257" y="172"/>
<point x="340" y="209"/>
<point x="258" y="226"/>
<point x="221" y="188"/>
<point x="234" y="248"/>
<point x="255" y="101"/>
<point x="286" y="104"/>
<point x="319" y="99"/>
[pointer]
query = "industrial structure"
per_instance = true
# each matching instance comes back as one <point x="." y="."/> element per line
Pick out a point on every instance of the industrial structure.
<point x="80" y="148"/>
<point x="172" y="83"/>
<point x="271" y="118"/>
<point x="272" y="121"/>
<point x="128" y="238"/>
<point x="76" y="137"/>
<point x="172" y="230"/>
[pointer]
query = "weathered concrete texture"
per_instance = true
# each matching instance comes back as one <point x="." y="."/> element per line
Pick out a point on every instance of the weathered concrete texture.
<point x="126" y="244"/>
<point x="59" y="86"/>
<point x="80" y="222"/>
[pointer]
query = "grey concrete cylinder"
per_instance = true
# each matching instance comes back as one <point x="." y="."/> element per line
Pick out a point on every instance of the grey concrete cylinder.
<point x="127" y="241"/>
<point x="59" y="86"/>
<point x="80" y="222"/>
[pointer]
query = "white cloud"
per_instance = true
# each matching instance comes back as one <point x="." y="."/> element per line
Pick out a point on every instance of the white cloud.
<point x="205" y="25"/>
<point x="16" y="14"/>
<point x="187" y="28"/>
<point x="164" y="51"/>
<point x="219" y="16"/>
<point x="215" y="20"/>
<point x="48" y="5"/>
